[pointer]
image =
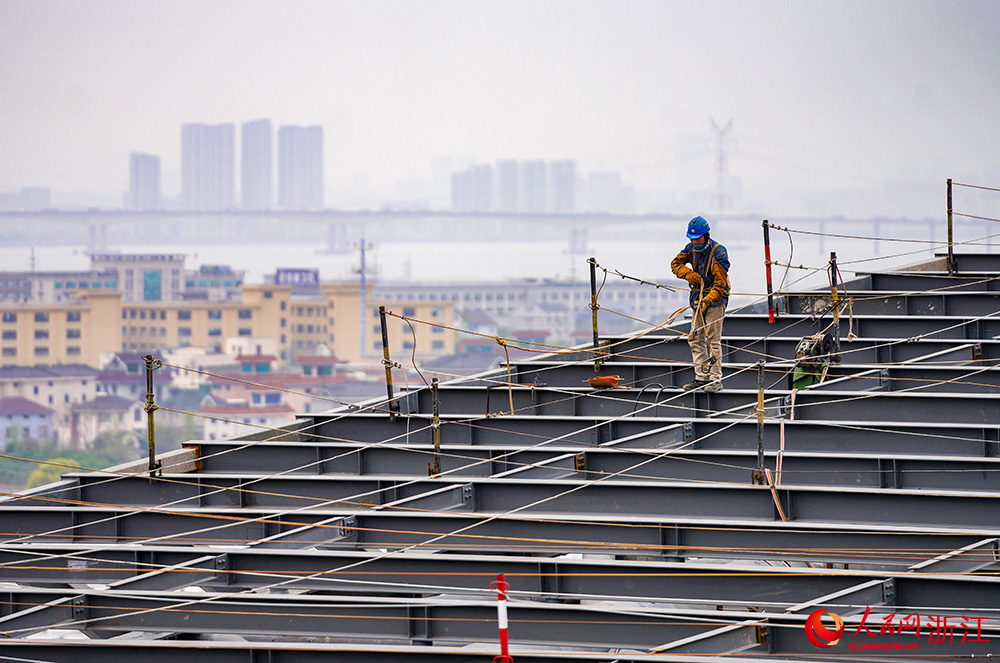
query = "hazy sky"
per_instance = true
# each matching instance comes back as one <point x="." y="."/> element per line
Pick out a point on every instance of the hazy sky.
<point x="822" y="93"/>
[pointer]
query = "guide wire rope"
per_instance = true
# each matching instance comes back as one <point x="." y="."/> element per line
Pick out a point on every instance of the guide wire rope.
<point x="975" y="186"/>
<point x="461" y="530"/>
<point x="136" y="509"/>
<point x="973" y="216"/>
<point x="269" y="387"/>
<point x="283" y="432"/>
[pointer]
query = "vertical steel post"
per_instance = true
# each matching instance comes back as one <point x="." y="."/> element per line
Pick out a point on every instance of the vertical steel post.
<point x="952" y="267"/>
<point x="435" y="467"/>
<point x="835" y="300"/>
<point x="593" y="309"/>
<point x="150" y="407"/>
<point x="393" y="406"/>
<point x="771" y="314"/>
<point x="759" y="475"/>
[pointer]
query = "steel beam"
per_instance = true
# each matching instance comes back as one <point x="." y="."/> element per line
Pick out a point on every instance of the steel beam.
<point x="768" y="589"/>
<point x="610" y="534"/>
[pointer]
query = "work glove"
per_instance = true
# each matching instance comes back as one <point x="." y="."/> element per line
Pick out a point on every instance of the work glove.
<point x="694" y="278"/>
<point x="703" y="307"/>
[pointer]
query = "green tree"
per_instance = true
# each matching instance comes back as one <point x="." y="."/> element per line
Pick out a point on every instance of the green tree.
<point x="50" y="471"/>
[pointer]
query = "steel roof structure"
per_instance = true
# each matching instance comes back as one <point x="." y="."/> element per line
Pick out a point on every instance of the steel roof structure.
<point x="632" y="523"/>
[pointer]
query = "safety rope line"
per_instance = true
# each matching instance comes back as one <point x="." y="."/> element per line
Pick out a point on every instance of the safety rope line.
<point x="615" y="272"/>
<point x="815" y="233"/>
<point x="974" y="186"/>
<point x="972" y="216"/>
<point x="269" y="387"/>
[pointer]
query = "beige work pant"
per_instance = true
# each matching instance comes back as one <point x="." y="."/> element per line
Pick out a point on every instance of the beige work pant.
<point x="706" y="340"/>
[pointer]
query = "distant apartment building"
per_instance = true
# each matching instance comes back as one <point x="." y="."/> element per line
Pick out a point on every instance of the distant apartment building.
<point x="472" y="189"/>
<point x="28" y="199"/>
<point x="257" y="165"/>
<point x="507" y="186"/>
<point x="143" y="182"/>
<point x="61" y="387"/>
<point x="331" y="320"/>
<point x="215" y="283"/>
<point x="75" y="330"/>
<point x="528" y="187"/>
<point x="260" y="313"/>
<point x="300" y="167"/>
<point x="52" y="287"/>
<point x="506" y="300"/>
<point x="605" y="192"/>
<point x="22" y="419"/>
<point x="562" y="175"/>
<point x="207" y="166"/>
<point x="144" y="277"/>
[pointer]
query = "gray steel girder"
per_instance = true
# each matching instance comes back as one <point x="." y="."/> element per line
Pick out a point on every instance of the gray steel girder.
<point x="580" y="495"/>
<point x="771" y="589"/>
<point x="721" y="537"/>
<point x="836" y="467"/>
<point x="863" y="326"/>
<point x="869" y="377"/>
<point x="848" y="406"/>
<point x="507" y="434"/>
<point x="669" y="350"/>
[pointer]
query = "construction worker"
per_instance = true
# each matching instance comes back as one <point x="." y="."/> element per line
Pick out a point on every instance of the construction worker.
<point x="708" y="277"/>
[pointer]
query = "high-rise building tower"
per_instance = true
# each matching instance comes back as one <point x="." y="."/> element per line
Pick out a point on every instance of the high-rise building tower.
<point x="207" y="166"/>
<point x="143" y="182"/>
<point x="532" y="196"/>
<point x="300" y="167"/>
<point x="507" y="186"/>
<point x="257" y="165"/>
<point x="563" y="174"/>
<point x="472" y="189"/>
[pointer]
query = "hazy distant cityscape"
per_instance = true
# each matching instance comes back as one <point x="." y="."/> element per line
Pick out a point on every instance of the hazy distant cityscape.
<point x="260" y="168"/>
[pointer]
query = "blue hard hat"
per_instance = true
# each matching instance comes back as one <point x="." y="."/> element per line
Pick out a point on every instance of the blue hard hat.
<point x="697" y="227"/>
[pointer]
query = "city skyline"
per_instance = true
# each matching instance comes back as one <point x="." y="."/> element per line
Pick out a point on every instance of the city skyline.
<point x="829" y="101"/>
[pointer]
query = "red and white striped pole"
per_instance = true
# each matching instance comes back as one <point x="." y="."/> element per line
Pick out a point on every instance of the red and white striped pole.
<point x="501" y="587"/>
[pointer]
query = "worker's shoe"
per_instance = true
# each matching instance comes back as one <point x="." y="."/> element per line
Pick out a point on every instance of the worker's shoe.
<point x="714" y="386"/>
<point x="697" y="384"/>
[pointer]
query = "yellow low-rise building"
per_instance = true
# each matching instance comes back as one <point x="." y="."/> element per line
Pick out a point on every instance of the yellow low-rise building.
<point x="74" y="331"/>
<point x="89" y="325"/>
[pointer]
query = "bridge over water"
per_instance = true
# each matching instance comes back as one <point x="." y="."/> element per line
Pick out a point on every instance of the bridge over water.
<point x="340" y="230"/>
